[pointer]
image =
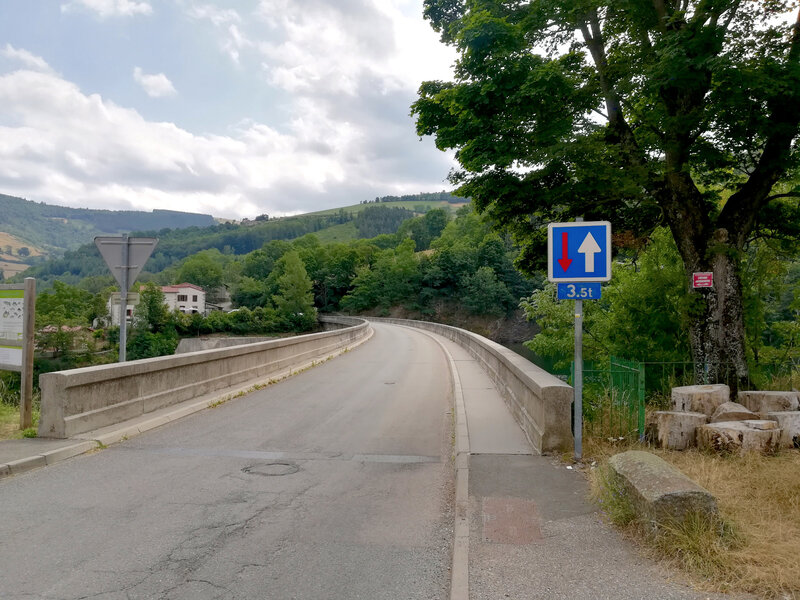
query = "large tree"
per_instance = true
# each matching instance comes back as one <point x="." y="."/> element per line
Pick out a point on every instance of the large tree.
<point x="680" y="112"/>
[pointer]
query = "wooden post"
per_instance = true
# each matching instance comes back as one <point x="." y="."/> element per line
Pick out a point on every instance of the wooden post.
<point x="26" y="382"/>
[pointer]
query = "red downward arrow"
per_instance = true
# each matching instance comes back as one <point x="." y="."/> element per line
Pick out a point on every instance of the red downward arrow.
<point x="564" y="261"/>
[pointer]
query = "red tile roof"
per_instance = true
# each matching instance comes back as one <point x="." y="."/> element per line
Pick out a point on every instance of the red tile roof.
<point x="177" y="288"/>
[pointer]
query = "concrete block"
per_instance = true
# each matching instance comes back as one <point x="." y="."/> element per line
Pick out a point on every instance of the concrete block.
<point x="732" y="411"/>
<point x="700" y="398"/>
<point x="5" y="471"/>
<point x="675" y="430"/>
<point x="740" y="436"/>
<point x="789" y="423"/>
<point x="658" y="491"/>
<point x="762" y="402"/>
<point x="26" y="464"/>
<point x="55" y="456"/>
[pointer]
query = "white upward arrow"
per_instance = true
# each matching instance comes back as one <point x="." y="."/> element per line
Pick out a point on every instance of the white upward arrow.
<point x="589" y="248"/>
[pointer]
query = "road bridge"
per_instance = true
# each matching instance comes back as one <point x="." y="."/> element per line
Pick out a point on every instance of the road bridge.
<point x="337" y="483"/>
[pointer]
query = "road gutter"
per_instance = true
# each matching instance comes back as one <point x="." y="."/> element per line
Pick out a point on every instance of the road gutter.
<point x="459" y="572"/>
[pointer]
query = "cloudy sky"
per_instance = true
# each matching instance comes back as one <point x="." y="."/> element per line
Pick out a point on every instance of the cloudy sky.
<point x="228" y="107"/>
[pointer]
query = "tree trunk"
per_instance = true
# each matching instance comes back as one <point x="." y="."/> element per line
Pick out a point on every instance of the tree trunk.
<point x="716" y="329"/>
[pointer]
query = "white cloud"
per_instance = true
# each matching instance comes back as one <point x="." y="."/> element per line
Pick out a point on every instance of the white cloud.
<point x="155" y="86"/>
<point x="110" y="8"/>
<point x="327" y="47"/>
<point x="58" y="144"/>
<point x="211" y="13"/>
<point x="335" y="131"/>
<point x="29" y="60"/>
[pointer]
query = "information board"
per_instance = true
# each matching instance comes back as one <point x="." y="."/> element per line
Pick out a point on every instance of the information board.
<point x="12" y="303"/>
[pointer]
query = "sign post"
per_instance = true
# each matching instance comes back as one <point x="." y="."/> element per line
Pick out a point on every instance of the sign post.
<point x="17" y="319"/>
<point x="125" y="256"/>
<point x="578" y="259"/>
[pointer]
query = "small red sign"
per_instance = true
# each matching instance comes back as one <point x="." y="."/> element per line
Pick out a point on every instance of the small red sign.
<point x="702" y="280"/>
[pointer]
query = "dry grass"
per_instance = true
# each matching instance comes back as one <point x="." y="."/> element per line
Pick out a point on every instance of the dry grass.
<point x="761" y="496"/>
<point x="754" y="548"/>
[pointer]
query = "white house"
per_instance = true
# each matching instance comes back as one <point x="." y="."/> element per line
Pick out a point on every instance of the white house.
<point x="185" y="297"/>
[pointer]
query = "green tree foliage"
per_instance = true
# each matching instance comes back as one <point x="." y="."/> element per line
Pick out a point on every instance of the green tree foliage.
<point x="698" y="102"/>
<point x="63" y="304"/>
<point x="250" y="293"/>
<point x="642" y="314"/>
<point x="485" y="294"/>
<point x="377" y="220"/>
<point x="423" y="230"/>
<point x="60" y="310"/>
<point x="394" y="278"/>
<point x="203" y="269"/>
<point x="772" y="307"/>
<point x="153" y="332"/>
<point x="151" y="314"/>
<point x="293" y="300"/>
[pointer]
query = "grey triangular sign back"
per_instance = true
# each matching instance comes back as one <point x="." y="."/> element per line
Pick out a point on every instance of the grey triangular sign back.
<point x="139" y="250"/>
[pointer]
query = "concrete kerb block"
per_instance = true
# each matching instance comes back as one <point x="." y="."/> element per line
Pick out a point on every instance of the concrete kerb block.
<point x="112" y="437"/>
<point x="27" y="464"/>
<point x="5" y="471"/>
<point x="659" y="492"/>
<point x="55" y="456"/>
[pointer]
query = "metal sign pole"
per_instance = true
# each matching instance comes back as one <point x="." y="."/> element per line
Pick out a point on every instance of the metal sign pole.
<point x="578" y="383"/>
<point x="28" y="328"/>
<point x="577" y="414"/>
<point x="123" y="301"/>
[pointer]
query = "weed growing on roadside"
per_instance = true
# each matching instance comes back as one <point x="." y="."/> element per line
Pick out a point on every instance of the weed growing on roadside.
<point x="613" y="500"/>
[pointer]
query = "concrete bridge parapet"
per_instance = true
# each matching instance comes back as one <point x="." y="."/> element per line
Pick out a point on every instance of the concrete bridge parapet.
<point x="81" y="400"/>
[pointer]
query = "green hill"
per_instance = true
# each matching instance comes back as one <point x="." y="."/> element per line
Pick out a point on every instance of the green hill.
<point x="55" y="229"/>
<point x="364" y="220"/>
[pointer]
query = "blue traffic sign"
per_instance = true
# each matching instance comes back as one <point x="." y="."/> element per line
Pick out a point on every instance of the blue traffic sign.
<point x="578" y="291"/>
<point x="579" y="252"/>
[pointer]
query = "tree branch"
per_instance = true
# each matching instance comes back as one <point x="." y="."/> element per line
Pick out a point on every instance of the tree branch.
<point x="741" y="210"/>
<point x="786" y="195"/>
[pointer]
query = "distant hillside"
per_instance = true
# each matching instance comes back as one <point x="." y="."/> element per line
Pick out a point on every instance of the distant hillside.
<point x="54" y="229"/>
<point x="176" y="244"/>
<point x="341" y="224"/>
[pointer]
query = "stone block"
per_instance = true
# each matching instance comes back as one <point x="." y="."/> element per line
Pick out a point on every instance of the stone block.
<point x="675" y="430"/>
<point x="740" y="436"/>
<point x="700" y="398"/>
<point x="789" y="422"/>
<point x="658" y="491"/>
<point x="767" y="402"/>
<point x="732" y="411"/>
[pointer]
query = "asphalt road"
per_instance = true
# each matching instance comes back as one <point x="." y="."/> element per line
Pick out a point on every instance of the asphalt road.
<point x="336" y="483"/>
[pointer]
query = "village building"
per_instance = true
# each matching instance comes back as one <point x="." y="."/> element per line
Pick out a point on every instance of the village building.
<point x="185" y="297"/>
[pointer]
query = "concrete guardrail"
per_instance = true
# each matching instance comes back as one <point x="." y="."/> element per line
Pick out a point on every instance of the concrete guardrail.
<point x="540" y="402"/>
<point x="81" y="400"/>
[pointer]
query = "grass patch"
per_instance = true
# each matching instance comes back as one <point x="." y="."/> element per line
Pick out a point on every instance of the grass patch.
<point x="9" y="422"/>
<point x="753" y="547"/>
<point x="761" y="496"/>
